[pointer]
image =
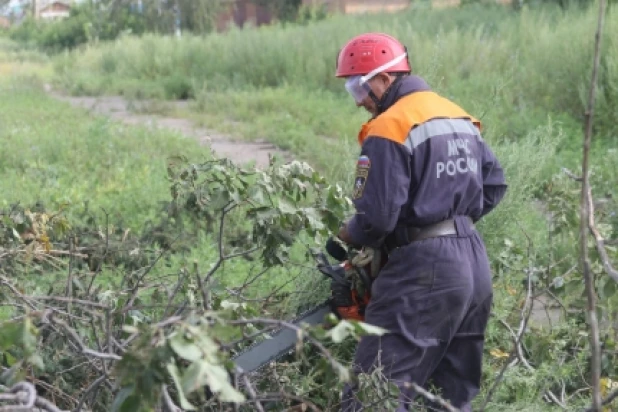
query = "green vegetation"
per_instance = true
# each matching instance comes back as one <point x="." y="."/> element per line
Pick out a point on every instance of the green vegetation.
<point x="277" y="83"/>
<point x="524" y="73"/>
<point x="105" y="20"/>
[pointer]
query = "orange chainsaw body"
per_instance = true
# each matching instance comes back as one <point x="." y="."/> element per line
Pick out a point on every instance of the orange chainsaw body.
<point x="356" y="311"/>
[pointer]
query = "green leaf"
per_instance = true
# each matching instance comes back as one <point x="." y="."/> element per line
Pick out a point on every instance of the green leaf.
<point x="234" y="306"/>
<point x="36" y="360"/>
<point x="343" y="373"/>
<point x="216" y="377"/>
<point x="340" y="331"/>
<point x="10" y="335"/>
<point x="371" y="329"/>
<point x="609" y="289"/>
<point x="286" y="208"/>
<point x="175" y="374"/>
<point x="557" y="282"/>
<point x="185" y="349"/>
<point x="10" y="359"/>
<point x="126" y="400"/>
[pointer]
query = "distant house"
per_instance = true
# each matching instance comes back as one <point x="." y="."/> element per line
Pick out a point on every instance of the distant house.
<point x="5" y="23"/>
<point x="55" y="10"/>
<point x="241" y="13"/>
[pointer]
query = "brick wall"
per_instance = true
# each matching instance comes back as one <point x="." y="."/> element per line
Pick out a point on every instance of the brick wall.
<point x="242" y="12"/>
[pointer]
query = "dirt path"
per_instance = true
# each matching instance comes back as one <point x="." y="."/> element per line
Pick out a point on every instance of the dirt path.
<point x="119" y="108"/>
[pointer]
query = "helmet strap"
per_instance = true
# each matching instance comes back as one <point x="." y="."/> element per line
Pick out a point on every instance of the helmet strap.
<point x="376" y="101"/>
<point x="380" y="102"/>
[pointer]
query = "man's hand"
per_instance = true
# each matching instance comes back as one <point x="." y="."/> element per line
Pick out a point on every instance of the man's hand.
<point x="344" y="235"/>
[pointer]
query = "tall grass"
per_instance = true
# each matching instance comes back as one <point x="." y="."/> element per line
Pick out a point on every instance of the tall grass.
<point x="523" y="73"/>
<point x="58" y="155"/>
<point x="15" y="60"/>
<point x="488" y="57"/>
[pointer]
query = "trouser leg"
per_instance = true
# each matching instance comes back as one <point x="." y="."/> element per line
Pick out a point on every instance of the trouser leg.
<point x="459" y="373"/>
<point x="392" y="359"/>
<point x="422" y="301"/>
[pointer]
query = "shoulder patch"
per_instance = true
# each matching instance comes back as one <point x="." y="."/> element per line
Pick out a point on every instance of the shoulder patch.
<point x="362" y="171"/>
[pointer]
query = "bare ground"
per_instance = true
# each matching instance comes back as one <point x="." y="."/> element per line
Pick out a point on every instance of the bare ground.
<point x="120" y="109"/>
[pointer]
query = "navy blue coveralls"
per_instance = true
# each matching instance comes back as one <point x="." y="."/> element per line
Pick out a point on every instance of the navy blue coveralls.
<point x="423" y="161"/>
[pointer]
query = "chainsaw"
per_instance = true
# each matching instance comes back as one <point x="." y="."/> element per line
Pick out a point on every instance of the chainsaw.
<point x="350" y="286"/>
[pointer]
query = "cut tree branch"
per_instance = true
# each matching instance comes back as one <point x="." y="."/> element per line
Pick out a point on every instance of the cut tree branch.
<point x="77" y="340"/>
<point x="599" y="241"/>
<point x="25" y="394"/>
<point x="595" y="362"/>
<point x="431" y="397"/>
<point x="251" y="390"/>
<point x="167" y="399"/>
<point x="269" y="397"/>
<point x="90" y="389"/>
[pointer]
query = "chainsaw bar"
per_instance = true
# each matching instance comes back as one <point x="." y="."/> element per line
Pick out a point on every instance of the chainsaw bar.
<point x="280" y="342"/>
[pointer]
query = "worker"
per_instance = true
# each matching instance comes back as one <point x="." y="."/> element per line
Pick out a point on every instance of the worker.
<point x="424" y="177"/>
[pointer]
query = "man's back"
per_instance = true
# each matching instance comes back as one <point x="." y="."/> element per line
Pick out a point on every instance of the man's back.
<point x="432" y="147"/>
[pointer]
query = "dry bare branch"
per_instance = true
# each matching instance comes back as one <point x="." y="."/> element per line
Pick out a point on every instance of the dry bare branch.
<point x="78" y="341"/>
<point x="91" y="389"/>
<point x="251" y="390"/>
<point x="26" y="399"/>
<point x="276" y="396"/>
<point x="571" y="174"/>
<point x="167" y="400"/>
<point x="431" y="397"/>
<point x="595" y="362"/>
<point x="599" y="241"/>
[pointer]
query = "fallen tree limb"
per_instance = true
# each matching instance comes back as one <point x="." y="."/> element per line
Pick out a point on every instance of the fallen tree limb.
<point x="25" y="399"/>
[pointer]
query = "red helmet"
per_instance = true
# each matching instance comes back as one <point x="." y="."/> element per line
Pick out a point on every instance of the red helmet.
<point x="370" y="51"/>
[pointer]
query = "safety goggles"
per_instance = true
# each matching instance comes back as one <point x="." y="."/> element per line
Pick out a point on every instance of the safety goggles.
<point x="358" y="86"/>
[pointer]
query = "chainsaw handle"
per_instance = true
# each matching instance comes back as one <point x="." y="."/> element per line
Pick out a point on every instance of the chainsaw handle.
<point x="335" y="272"/>
<point x="322" y="259"/>
<point x="365" y="278"/>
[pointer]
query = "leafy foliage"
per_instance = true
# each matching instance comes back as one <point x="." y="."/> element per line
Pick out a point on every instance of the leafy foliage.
<point x="272" y="200"/>
<point x="142" y="340"/>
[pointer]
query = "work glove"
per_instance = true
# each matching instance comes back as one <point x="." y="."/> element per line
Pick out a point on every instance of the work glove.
<point x="337" y="249"/>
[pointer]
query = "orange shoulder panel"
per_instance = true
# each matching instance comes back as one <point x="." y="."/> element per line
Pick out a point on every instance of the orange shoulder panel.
<point x="412" y="110"/>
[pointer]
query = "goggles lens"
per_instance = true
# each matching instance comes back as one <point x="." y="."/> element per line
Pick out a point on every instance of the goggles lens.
<point x="358" y="89"/>
<point x="357" y="85"/>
